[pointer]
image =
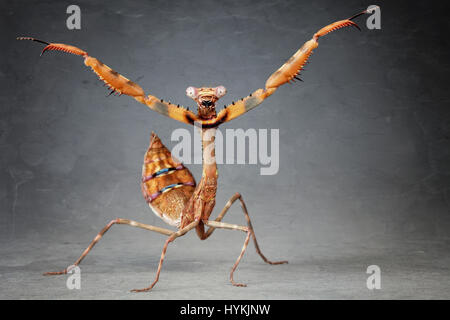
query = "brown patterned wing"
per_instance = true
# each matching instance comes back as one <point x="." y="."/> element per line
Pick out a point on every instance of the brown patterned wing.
<point x="166" y="184"/>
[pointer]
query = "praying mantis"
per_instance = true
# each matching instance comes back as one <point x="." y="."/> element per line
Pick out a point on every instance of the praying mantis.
<point x="167" y="185"/>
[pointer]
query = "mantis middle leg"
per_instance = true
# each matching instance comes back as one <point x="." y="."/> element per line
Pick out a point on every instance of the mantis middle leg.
<point x="172" y="237"/>
<point x="219" y="218"/>
<point x="248" y="230"/>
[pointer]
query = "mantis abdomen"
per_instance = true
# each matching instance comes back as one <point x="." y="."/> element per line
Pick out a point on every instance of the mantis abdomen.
<point x="166" y="184"/>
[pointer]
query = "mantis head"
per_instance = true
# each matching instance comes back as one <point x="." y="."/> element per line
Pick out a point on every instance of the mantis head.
<point x="206" y="99"/>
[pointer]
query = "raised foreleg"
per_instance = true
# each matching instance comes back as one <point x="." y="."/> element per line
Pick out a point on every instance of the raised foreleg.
<point x="118" y="84"/>
<point x="290" y="71"/>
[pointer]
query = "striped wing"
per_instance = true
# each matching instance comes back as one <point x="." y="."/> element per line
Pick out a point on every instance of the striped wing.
<point x="166" y="184"/>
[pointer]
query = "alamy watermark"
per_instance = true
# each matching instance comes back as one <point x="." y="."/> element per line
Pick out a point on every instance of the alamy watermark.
<point x="73" y="22"/>
<point x="374" y="280"/>
<point x="74" y="280"/>
<point x="237" y="146"/>
<point x="374" y="20"/>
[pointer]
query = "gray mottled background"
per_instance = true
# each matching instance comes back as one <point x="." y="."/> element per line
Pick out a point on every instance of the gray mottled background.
<point x="364" y="149"/>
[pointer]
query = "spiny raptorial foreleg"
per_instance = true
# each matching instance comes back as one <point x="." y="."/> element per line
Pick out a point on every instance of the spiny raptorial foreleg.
<point x="290" y="71"/>
<point x="118" y="84"/>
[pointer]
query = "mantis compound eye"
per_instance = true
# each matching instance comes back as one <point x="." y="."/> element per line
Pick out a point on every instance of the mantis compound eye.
<point x="220" y="91"/>
<point x="191" y="92"/>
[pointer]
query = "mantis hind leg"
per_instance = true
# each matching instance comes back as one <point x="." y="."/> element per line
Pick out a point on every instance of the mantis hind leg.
<point x="103" y="231"/>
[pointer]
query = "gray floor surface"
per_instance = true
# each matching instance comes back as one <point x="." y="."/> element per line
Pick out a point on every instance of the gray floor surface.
<point x="199" y="270"/>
